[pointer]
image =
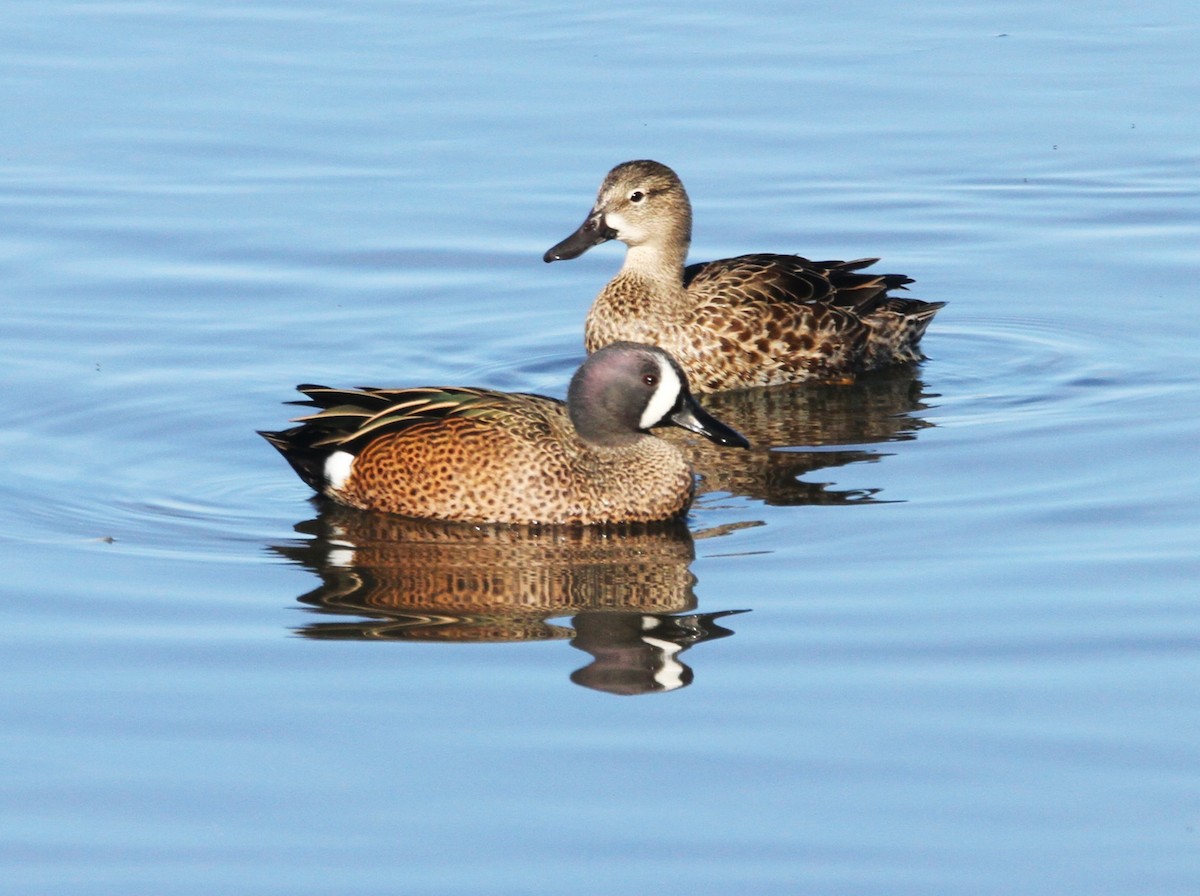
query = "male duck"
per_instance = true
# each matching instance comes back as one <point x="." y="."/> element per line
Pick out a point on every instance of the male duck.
<point x="481" y="456"/>
<point x="754" y="320"/>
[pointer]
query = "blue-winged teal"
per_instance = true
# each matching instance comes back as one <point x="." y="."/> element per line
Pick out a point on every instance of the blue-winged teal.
<point x="481" y="456"/>
<point x="754" y="320"/>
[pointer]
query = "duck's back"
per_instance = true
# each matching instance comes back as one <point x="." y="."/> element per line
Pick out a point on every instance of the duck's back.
<point x="787" y="279"/>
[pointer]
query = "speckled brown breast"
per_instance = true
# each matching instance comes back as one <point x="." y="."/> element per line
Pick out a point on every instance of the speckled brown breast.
<point x="530" y="468"/>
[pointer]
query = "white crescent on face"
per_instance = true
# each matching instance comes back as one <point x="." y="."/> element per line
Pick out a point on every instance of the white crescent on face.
<point x="664" y="396"/>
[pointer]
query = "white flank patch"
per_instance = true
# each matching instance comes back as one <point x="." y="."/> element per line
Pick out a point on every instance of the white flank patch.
<point x="664" y="396"/>
<point x="337" y="469"/>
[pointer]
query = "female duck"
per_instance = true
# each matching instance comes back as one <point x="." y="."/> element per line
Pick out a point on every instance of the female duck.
<point x="754" y="320"/>
<point x="481" y="456"/>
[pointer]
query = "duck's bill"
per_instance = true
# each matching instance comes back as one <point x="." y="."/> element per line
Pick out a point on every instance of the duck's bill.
<point x="693" y="417"/>
<point x="592" y="232"/>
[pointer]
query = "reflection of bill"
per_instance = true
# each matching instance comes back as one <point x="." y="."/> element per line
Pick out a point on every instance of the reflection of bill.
<point x="418" y="580"/>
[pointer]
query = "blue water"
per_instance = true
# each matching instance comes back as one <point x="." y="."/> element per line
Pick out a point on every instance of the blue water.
<point x="969" y="655"/>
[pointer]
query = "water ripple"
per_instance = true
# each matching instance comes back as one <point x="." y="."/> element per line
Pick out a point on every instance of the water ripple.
<point x="1033" y="370"/>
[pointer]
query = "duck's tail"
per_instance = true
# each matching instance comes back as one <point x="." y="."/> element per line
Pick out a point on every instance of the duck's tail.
<point x="897" y="326"/>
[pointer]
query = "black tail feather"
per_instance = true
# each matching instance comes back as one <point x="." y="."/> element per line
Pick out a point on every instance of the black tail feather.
<point x="296" y="446"/>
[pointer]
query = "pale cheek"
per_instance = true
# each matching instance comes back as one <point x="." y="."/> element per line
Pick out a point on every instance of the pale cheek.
<point x="626" y="232"/>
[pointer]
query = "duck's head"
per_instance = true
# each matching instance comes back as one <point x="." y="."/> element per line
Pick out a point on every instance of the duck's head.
<point x="640" y="203"/>
<point x="625" y="388"/>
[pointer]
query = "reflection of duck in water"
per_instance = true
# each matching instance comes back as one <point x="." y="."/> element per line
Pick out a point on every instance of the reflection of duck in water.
<point x="418" y="580"/>
<point x="784" y="425"/>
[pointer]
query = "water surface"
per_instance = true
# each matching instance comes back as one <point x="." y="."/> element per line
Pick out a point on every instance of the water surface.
<point x="943" y="639"/>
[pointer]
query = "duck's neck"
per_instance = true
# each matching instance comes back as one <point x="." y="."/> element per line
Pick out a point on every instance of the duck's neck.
<point x="646" y="296"/>
<point x="661" y="258"/>
<point x="660" y="264"/>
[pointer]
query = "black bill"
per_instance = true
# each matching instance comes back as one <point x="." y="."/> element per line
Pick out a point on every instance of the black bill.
<point x="690" y="415"/>
<point x="592" y="232"/>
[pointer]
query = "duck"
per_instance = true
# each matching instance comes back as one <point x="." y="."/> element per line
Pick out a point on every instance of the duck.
<point x="481" y="456"/>
<point x="755" y="320"/>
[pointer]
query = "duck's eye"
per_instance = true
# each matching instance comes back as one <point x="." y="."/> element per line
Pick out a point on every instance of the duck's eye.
<point x="650" y="380"/>
<point x="637" y="196"/>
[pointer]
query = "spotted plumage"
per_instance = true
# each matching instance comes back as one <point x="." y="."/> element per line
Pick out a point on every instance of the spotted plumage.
<point x="478" y="455"/>
<point x="754" y="320"/>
